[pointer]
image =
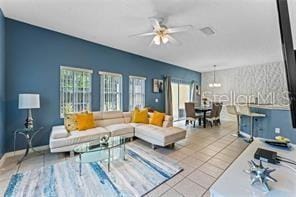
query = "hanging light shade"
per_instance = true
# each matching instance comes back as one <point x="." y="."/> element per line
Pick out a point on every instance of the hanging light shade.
<point x="156" y="40"/>
<point x="164" y="39"/>
<point x="214" y="84"/>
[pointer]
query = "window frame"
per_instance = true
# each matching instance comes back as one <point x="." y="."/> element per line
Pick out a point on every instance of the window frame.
<point x="73" y="69"/>
<point x="102" y="90"/>
<point x="131" y="107"/>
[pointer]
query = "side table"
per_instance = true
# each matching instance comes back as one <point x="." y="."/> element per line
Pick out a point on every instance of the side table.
<point x="29" y="134"/>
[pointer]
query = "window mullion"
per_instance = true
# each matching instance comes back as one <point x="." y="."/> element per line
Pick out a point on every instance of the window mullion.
<point x="74" y="93"/>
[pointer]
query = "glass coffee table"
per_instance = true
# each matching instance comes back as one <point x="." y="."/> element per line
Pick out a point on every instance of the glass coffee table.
<point x="97" y="146"/>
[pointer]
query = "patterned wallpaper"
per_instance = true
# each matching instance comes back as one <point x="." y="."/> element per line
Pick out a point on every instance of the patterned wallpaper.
<point x="267" y="82"/>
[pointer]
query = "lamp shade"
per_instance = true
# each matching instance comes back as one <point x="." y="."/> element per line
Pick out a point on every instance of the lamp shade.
<point x="29" y="101"/>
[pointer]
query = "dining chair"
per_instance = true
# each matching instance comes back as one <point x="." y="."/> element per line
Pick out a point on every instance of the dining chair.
<point x="191" y="115"/>
<point x="245" y="110"/>
<point x="212" y="117"/>
<point x="218" y="119"/>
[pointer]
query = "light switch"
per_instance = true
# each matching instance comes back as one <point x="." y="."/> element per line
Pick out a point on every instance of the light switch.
<point x="156" y="100"/>
<point x="277" y="130"/>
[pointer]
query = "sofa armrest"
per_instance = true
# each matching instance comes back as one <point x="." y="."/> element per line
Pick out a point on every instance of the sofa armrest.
<point x="167" y="124"/>
<point x="168" y="118"/>
<point x="168" y="121"/>
<point x="58" y="132"/>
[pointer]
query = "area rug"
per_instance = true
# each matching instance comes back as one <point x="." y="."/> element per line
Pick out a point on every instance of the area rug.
<point x="140" y="173"/>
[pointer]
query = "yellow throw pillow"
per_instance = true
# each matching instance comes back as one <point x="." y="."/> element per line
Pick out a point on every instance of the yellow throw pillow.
<point x="157" y="118"/>
<point x="70" y="122"/>
<point x="140" y="116"/>
<point x="85" y="121"/>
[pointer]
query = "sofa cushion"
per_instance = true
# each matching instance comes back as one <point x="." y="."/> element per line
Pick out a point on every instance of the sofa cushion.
<point x="127" y="117"/>
<point x="112" y="115"/>
<point x="107" y="122"/>
<point x="98" y="115"/>
<point x="59" y="132"/>
<point x="135" y="124"/>
<point x="140" y="116"/>
<point x="77" y="137"/>
<point x="168" y="118"/>
<point x="120" y="129"/>
<point x="159" y="135"/>
<point x="103" y="119"/>
<point x="157" y="118"/>
<point x="85" y="121"/>
<point x="70" y="121"/>
<point x="167" y="124"/>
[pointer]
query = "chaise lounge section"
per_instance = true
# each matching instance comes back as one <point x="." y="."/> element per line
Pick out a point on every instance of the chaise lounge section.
<point x="116" y="124"/>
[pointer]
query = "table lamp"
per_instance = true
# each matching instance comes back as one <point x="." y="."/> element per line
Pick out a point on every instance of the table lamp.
<point x="29" y="102"/>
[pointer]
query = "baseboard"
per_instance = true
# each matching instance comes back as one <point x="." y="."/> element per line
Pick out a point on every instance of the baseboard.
<point x="2" y="160"/>
<point x="21" y="152"/>
<point x="245" y="134"/>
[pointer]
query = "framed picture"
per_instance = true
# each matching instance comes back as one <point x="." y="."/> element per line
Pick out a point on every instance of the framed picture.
<point x="157" y="85"/>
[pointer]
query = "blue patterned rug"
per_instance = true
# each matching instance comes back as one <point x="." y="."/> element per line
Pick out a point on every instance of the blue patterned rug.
<point x="139" y="174"/>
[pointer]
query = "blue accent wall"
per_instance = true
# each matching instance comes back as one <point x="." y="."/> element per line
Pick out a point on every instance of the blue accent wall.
<point x="2" y="84"/>
<point x="265" y="127"/>
<point x="34" y="56"/>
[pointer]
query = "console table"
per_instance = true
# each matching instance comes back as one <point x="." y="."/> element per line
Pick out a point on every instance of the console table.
<point x="29" y="135"/>
<point x="234" y="182"/>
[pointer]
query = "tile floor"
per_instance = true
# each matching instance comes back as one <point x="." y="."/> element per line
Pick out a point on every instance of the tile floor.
<point x="205" y="154"/>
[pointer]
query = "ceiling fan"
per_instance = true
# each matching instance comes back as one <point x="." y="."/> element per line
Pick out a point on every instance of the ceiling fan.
<point x="161" y="33"/>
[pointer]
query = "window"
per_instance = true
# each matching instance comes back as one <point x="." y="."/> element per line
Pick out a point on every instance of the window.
<point x="136" y="92"/>
<point x="75" y="90"/>
<point x="111" y="91"/>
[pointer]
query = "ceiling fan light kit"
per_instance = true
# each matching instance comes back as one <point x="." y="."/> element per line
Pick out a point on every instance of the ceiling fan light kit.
<point x="164" y="39"/>
<point x="156" y="40"/>
<point x="161" y="33"/>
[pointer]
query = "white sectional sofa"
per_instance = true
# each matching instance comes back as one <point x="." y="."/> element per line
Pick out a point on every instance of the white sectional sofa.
<point x="116" y="124"/>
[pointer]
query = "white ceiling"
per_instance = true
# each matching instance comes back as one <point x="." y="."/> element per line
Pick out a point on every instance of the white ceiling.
<point x="247" y="31"/>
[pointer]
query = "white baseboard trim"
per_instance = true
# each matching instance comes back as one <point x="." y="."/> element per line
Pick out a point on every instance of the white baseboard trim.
<point x="245" y="134"/>
<point x="2" y="160"/>
<point x="21" y="152"/>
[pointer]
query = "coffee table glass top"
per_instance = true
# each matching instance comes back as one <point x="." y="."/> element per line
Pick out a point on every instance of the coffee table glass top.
<point x="97" y="145"/>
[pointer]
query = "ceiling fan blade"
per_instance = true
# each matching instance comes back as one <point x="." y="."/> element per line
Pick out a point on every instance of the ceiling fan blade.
<point x="151" y="43"/>
<point x="143" y="34"/>
<point x="173" y="40"/>
<point x="155" y="23"/>
<point x="179" y="29"/>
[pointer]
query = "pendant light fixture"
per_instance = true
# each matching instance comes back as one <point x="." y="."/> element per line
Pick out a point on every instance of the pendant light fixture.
<point x="214" y="84"/>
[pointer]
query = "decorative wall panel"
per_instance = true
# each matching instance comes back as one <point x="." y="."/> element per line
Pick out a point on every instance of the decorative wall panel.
<point x="267" y="82"/>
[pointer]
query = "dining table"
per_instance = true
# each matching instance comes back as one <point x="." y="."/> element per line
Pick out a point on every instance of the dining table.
<point x="203" y="110"/>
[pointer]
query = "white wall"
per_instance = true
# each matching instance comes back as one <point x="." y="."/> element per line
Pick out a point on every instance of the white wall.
<point x="267" y="82"/>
